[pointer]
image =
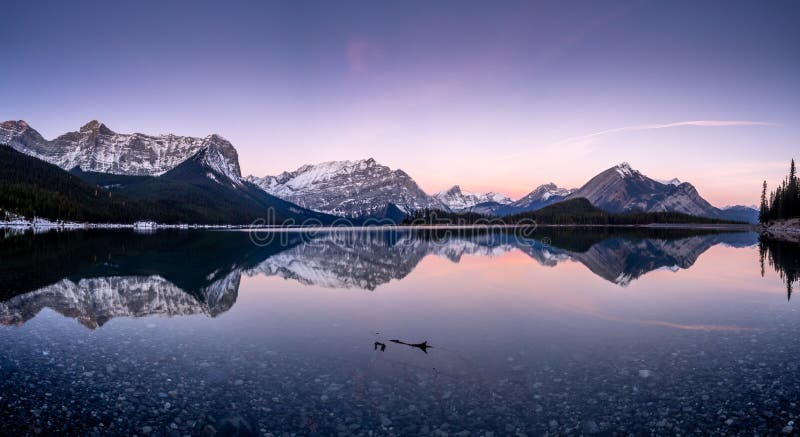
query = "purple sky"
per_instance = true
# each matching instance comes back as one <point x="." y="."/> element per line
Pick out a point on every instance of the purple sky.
<point x="497" y="96"/>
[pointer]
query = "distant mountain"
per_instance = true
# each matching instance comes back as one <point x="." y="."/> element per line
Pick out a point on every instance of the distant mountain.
<point x="542" y="196"/>
<point x="97" y="148"/>
<point x="457" y="200"/>
<point x="740" y="213"/>
<point x="348" y="188"/>
<point x="487" y="208"/>
<point x="572" y="211"/>
<point x="623" y="189"/>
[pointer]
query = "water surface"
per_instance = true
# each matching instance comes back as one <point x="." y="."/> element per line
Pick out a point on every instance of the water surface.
<point x="562" y="331"/>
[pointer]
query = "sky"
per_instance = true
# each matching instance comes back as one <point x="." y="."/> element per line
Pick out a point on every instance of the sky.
<point x="499" y="96"/>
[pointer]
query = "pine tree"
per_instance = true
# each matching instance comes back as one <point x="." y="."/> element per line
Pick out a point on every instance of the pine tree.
<point x="792" y="192"/>
<point x="784" y="202"/>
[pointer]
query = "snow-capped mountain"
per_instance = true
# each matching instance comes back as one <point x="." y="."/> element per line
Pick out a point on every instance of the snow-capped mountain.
<point x="622" y="189"/>
<point x="97" y="148"/>
<point x="457" y="200"/>
<point x="348" y="188"/>
<point x="542" y="196"/>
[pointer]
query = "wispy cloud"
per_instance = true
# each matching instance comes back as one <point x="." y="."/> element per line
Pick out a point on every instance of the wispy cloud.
<point x="698" y="123"/>
<point x="583" y="145"/>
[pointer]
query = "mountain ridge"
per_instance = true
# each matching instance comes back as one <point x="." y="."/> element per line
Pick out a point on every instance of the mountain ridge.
<point x="456" y="199"/>
<point x="95" y="147"/>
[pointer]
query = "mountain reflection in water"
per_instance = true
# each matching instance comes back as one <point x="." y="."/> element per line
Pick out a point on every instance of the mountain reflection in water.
<point x="94" y="276"/>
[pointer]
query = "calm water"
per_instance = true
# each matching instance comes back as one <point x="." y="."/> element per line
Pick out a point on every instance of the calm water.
<point x="560" y="332"/>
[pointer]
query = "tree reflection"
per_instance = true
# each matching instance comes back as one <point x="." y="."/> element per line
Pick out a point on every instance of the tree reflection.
<point x="784" y="258"/>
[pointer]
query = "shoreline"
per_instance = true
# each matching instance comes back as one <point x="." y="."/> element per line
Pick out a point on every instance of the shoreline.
<point x="46" y="225"/>
<point x="787" y="230"/>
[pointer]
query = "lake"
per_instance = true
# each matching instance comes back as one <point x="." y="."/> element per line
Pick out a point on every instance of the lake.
<point x="398" y="332"/>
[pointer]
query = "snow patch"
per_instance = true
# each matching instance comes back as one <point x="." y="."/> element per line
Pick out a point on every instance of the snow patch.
<point x="624" y="170"/>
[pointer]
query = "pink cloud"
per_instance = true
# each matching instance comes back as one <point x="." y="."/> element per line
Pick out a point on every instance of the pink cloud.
<point x="361" y="54"/>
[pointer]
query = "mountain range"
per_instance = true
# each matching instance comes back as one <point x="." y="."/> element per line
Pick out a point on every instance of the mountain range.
<point x="457" y="200"/>
<point x="180" y="179"/>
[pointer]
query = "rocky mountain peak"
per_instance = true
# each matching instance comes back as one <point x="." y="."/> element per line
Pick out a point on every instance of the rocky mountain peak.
<point x="18" y="125"/>
<point x="217" y="138"/>
<point x="95" y="127"/>
<point x="18" y="134"/>
<point x="456" y="199"/>
<point x="541" y="196"/>
<point x="549" y="186"/>
<point x="625" y="170"/>
<point x="455" y="189"/>
<point x="546" y="191"/>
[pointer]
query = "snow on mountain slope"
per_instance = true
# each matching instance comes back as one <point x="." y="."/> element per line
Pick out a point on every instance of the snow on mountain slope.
<point x="542" y="196"/>
<point x="348" y="188"/>
<point x="457" y="200"/>
<point x="673" y="181"/>
<point x="97" y="148"/>
<point x="214" y="160"/>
